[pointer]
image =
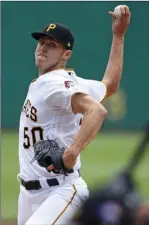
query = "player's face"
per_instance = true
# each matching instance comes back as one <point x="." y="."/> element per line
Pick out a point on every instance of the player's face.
<point x="49" y="53"/>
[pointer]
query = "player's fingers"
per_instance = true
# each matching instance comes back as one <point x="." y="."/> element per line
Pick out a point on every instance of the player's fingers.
<point x="112" y="14"/>
<point x="128" y="14"/>
<point x="126" y="9"/>
<point x="122" y="11"/>
<point x="128" y="18"/>
<point x="125" y="15"/>
<point x="51" y="167"/>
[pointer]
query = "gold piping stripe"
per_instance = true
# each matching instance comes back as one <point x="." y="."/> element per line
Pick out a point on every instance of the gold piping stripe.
<point x="69" y="69"/>
<point x="75" y="192"/>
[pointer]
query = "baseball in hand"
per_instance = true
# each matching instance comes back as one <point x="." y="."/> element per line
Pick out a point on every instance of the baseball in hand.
<point x="117" y="11"/>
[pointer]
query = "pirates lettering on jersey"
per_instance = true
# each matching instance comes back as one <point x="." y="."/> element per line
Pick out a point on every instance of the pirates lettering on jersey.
<point x="30" y="111"/>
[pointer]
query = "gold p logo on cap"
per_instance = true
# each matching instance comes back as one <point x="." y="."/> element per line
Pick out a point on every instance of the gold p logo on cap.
<point x="51" y="26"/>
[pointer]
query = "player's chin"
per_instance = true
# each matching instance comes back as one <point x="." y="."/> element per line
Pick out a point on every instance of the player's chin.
<point x="40" y="61"/>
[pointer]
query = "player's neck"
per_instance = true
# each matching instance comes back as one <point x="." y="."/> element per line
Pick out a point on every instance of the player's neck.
<point x="43" y="71"/>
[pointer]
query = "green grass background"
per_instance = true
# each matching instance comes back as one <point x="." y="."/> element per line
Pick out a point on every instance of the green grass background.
<point x="102" y="159"/>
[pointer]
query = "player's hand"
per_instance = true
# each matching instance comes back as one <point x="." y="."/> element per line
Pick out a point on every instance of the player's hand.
<point x="120" y="25"/>
<point x="69" y="158"/>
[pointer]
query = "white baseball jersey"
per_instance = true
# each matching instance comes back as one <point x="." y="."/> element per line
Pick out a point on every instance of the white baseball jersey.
<point x="95" y="89"/>
<point x="47" y="114"/>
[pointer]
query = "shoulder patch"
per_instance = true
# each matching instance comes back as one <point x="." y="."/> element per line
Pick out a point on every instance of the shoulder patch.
<point x="68" y="84"/>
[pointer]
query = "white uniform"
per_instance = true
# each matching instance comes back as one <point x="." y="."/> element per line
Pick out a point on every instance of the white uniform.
<point x="47" y="114"/>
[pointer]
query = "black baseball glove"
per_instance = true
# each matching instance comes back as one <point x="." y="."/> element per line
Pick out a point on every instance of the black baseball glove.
<point x="48" y="152"/>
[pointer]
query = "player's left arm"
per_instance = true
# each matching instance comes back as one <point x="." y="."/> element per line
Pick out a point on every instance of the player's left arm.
<point x="114" y="68"/>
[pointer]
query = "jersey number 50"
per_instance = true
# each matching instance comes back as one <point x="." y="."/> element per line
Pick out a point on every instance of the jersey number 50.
<point x="31" y="140"/>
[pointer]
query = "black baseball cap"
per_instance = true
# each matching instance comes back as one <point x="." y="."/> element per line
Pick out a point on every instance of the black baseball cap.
<point x="58" y="32"/>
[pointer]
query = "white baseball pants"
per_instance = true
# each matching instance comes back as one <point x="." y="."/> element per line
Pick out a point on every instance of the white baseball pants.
<point x="53" y="205"/>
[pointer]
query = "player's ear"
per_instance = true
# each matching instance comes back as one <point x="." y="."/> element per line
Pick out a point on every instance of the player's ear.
<point x="67" y="54"/>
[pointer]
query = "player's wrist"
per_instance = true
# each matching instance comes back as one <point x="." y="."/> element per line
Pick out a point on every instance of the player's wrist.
<point x="118" y="38"/>
<point x="69" y="158"/>
<point x="76" y="147"/>
<point x="74" y="152"/>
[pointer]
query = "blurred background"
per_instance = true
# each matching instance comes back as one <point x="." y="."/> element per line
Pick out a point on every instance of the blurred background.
<point x="128" y="109"/>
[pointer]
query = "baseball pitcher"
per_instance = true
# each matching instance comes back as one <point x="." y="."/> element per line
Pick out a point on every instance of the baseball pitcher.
<point x="50" y="135"/>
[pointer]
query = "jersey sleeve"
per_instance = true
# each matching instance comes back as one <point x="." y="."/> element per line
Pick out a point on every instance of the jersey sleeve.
<point x="58" y="94"/>
<point x="96" y="89"/>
